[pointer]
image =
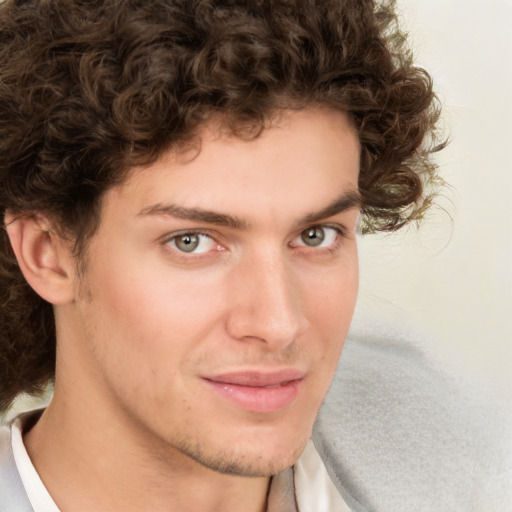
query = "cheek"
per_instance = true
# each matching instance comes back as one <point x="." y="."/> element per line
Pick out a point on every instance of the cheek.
<point x="332" y="296"/>
<point x="331" y="310"/>
<point x="158" y="321"/>
<point x="151" y="328"/>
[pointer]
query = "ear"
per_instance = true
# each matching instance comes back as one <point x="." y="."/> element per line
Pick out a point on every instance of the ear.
<point x="43" y="256"/>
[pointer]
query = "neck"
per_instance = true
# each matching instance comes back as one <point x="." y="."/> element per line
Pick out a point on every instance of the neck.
<point x="92" y="459"/>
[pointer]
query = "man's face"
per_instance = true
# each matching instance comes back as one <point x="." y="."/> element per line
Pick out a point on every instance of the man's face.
<point x="218" y="293"/>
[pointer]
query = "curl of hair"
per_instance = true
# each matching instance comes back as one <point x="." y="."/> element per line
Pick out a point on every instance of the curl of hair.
<point x="90" y="89"/>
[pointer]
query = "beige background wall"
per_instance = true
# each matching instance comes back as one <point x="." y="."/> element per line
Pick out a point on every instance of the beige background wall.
<point x="452" y="281"/>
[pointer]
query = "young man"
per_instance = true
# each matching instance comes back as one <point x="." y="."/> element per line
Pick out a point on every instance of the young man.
<point x="182" y="182"/>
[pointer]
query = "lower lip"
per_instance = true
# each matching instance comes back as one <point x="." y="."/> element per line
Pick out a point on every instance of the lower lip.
<point x="258" y="399"/>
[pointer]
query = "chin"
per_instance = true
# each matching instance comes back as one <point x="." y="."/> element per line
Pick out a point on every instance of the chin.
<point x="258" y="458"/>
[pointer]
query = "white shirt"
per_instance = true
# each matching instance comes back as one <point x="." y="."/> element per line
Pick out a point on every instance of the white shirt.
<point x="38" y="496"/>
<point x="314" y="490"/>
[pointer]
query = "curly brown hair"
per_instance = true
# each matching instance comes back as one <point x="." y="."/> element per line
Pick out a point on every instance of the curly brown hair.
<point x="90" y="89"/>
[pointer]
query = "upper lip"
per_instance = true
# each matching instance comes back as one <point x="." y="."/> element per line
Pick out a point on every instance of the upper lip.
<point x="255" y="378"/>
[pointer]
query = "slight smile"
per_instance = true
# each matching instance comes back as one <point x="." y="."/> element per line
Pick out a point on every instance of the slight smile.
<point x="257" y="391"/>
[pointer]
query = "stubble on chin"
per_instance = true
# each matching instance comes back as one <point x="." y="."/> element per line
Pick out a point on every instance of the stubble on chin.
<point x="237" y="462"/>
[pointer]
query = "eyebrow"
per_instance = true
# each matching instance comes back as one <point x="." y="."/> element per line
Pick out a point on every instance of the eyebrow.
<point x="348" y="200"/>
<point x="195" y="214"/>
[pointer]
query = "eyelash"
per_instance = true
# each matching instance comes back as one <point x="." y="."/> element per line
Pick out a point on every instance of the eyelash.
<point x="331" y="249"/>
<point x="188" y="256"/>
<point x="334" y="246"/>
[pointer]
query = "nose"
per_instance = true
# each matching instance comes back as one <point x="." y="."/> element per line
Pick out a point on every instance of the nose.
<point x="265" y="302"/>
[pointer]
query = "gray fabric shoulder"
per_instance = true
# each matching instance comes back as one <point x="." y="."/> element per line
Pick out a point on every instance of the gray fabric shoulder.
<point x="13" y="497"/>
<point x="398" y="433"/>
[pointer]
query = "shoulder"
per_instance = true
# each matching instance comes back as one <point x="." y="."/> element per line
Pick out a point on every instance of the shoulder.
<point x="397" y="433"/>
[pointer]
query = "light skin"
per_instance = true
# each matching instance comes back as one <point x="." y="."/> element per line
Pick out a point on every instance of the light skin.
<point x="240" y="261"/>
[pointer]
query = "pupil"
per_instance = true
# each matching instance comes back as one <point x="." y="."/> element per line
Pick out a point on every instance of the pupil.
<point x="187" y="243"/>
<point x="313" y="237"/>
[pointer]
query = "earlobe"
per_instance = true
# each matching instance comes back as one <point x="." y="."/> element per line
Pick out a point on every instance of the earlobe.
<point x="43" y="257"/>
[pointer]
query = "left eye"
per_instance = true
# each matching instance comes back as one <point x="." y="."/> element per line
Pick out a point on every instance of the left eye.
<point x="317" y="236"/>
<point x="192" y="243"/>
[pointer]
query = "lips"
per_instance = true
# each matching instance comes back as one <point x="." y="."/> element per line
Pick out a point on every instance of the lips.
<point x="258" y="391"/>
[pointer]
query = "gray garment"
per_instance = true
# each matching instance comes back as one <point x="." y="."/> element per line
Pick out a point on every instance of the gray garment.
<point x="396" y="433"/>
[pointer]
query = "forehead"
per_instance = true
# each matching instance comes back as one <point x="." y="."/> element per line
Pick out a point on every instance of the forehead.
<point x="306" y="159"/>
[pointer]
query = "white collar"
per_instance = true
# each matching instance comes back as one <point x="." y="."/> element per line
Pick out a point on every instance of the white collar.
<point x="314" y="489"/>
<point x="38" y="496"/>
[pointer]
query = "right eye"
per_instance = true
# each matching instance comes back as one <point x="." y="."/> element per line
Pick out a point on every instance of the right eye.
<point x="192" y="242"/>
